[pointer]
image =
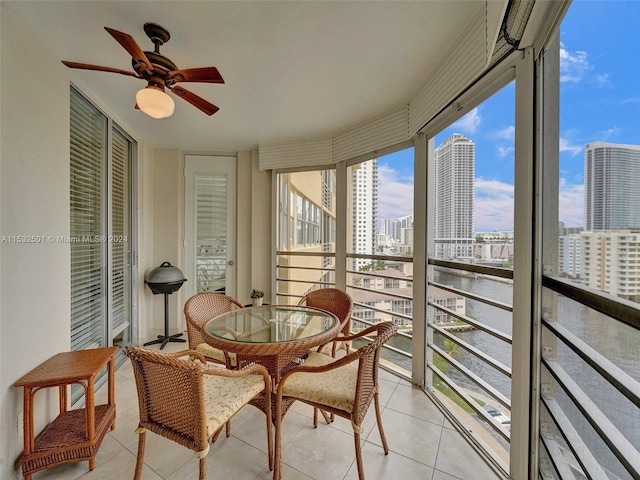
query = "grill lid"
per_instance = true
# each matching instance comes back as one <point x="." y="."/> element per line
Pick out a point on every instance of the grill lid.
<point x="165" y="279"/>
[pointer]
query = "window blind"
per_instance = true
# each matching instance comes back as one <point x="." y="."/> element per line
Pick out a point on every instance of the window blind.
<point x="450" y="78"/>
<point x="296" y="153"/>
<point x="376" y="134"/>
<point x="211" y="231"/>
<point x="87" y="170"/>
<point x="121" y="154"/>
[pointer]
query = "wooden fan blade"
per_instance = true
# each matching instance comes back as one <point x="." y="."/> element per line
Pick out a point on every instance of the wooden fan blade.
<point x="131" y="46"/>
<point x="99" y="68"/>
<point x="195" y="100"/>
<point x="202" y="75"/>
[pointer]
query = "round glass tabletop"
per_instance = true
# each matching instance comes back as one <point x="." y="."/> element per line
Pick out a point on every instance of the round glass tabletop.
<point x="271" y="324"/>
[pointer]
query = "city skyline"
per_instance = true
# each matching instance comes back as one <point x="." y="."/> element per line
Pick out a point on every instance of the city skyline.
<point x="599" y="101"/>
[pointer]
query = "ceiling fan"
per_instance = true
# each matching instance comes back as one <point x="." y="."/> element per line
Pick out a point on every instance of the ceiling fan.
<point x="159" y="72"/>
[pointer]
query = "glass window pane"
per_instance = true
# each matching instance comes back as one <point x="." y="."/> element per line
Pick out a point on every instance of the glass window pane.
<point x="312" y="211"/>
<point x="211" y="231"/>
<point x="473" y="195"/>
<point x="598" y="234"/>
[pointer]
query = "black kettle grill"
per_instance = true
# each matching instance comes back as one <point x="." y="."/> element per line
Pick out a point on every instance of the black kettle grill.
<point x="165" y="280"/>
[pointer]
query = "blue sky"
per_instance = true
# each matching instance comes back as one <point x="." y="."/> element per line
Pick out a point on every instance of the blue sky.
<point x="599" y="101"/>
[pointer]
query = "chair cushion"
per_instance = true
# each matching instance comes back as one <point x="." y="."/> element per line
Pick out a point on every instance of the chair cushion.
<point x="214" y="353"/>
<point x="335" y="388"/>
<point x="315" y="359"/>
<point x="224" y="396"/>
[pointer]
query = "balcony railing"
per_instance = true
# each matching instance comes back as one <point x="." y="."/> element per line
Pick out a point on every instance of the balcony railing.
<point x="469" y="351"/>
<point x="590" y="391"/>
<point x="373" y="303"/>
<point x="299" y="272"/>
<point x="590" y="376"/>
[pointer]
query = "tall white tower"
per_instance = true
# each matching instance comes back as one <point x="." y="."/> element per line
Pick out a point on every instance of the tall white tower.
<point x="611" y="186"/>
<point x="365" y="210"/>
<point x="455" y="162"/>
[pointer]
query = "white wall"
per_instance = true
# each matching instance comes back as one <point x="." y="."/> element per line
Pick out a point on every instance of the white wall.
<point x="34" y="200"/>
<point x="164" y="242"/>
<point x="261" y="224"/>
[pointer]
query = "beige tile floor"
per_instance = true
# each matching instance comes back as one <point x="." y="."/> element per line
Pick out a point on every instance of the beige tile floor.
<point x="423" y="444"/>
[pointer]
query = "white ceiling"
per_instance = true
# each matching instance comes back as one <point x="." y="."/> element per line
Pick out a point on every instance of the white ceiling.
<point x="292" y="69"/>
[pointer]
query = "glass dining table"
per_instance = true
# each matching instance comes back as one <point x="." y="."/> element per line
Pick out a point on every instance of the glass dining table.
<point x="275" y="336"/>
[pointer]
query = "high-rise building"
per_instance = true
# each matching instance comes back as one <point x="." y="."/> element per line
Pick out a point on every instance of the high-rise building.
<point x="570" y="257"/>
<point x="454" y="191"/>
<point x="611" y="262"/>
<point x="365" y="210"/>
<point x="611" y="186"/>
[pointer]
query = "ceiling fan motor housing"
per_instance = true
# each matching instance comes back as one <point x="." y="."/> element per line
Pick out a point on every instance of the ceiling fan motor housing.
<point x="157" y="33"/>
<point x="160" y="63"/>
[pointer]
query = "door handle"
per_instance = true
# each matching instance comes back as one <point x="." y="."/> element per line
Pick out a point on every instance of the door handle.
<point x="230" y="263"/>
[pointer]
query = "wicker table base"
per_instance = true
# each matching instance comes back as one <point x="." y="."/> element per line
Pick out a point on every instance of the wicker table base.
<point x="260" y="403"/>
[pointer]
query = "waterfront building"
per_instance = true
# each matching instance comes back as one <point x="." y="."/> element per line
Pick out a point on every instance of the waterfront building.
<point x="570" y="255"/>
<point x="379" y="306"/>
<point x="562" y="230"/>
<point x="611" y="186"/>
<point x="384" y="279"/>
<point x="494" y="237"/>
<point x="389" y="290"/>
<point x="449" y="300"/>
<point x="611" y="262"/>
<point x="493" y="252"/>
<point x="454" y="197"/>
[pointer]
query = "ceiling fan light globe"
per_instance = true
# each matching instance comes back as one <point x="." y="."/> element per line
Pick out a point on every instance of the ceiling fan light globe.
<point x="155" y="102"/>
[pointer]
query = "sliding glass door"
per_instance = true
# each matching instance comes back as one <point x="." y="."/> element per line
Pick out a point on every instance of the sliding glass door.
<point x="101" y="229"/>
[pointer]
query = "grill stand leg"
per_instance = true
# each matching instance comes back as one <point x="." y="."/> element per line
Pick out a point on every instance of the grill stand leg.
<point x="166" y="338"/>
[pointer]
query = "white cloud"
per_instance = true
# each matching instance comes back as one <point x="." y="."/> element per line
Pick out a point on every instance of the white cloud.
<point x="565" y="146"/>
<point x="505" y="151"/>
<point x="507" y="133"/>
<point x="609" y="133"/>
<point x="603" y="79"/>
<point x="494" y="201"/>
<point x="469" y="123"/>
<point x="493" y="205"/>
<point x="395" y="194"/>
<point x="571" y="204"/>
<point x="573" y="66"/>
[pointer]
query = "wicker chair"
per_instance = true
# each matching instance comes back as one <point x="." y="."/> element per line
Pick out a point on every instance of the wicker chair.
<point x="188" y="400"/>
<point x="198" y="310"/>
<point x="345" y="387"/>
<point x="340" y="304"/>
<point x="337" y="302"/>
